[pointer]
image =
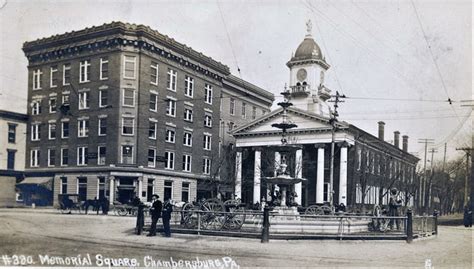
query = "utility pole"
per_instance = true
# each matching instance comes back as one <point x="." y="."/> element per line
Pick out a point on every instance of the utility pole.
<point x="432" y="151"/>
<point x="466" y="182"/>
<point x="444" y="158"/>
<point x="422" y="198"/>
<point x="333" y="121"/>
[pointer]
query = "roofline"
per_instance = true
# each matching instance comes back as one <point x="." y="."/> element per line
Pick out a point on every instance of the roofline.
<point x="248" y="88"/>
<point x="126" y="29"/>
<point x="13" y="115"/>
<point x="353" y="128"/>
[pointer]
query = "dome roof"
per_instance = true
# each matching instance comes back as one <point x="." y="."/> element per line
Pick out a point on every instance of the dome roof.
<point x="308" y="49"/>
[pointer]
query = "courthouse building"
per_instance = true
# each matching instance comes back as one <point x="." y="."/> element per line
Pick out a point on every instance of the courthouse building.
<point x="365" y="166"/>
<point x="120" y="110"/>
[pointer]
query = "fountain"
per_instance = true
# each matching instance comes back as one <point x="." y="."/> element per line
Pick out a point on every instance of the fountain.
<point x="282" y="177"/>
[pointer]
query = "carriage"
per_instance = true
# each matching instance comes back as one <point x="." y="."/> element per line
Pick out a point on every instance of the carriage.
<point x="69" y="203"/>
<point x="213" y="214"/>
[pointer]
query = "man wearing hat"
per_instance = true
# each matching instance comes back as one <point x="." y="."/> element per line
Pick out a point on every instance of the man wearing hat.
<point x="393" y="205"/>
<point x="167" y="210"/>
<point x="155" y="212"/>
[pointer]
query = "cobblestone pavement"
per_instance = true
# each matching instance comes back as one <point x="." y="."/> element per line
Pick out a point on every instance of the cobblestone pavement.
<point x="34" y="232"/>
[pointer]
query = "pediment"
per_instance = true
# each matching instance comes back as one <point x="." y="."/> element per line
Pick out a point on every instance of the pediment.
<point x="303" y="119"/>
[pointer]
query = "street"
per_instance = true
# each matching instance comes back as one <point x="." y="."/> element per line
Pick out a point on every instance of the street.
<point x="33" y="233"/>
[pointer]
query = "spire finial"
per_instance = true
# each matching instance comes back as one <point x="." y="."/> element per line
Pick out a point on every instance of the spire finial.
<point x="309" y="27"/>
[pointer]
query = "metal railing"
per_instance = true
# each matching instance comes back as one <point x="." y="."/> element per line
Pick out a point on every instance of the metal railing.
<point x="266" y="224"/>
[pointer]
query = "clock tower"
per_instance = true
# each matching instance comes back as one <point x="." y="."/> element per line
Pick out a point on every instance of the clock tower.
<point x="307" y="68"/>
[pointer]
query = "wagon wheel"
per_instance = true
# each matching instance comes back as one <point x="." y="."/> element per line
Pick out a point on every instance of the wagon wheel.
<point x="233" y="221"/>
<point x="188" y="216"/>
<point x="314" y="210"/>
<point x="121" y="211"/>
<point x="214" y="218"/>
<point x="327" y="210"/>
<point x="65" y="210"/>
<point x="77" y="209"/>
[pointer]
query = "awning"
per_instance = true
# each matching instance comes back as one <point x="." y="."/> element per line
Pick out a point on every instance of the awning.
<point x="45" y="182"/>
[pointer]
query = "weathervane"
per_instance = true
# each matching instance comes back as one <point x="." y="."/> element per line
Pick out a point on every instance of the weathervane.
<point x="309" y="27"/>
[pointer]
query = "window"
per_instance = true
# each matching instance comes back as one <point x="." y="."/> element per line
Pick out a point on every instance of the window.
<point x="232" y="106"/>
<point x="83" y="128"/>
<point x="101" y="192"/>
<point x="82" y="156"/>
<point x="52" y="131"/>
<point x="150" y="189"/>
<point x="104" y="68"/>
<point x="208" y="94"/>
<point x="127" y="154"/>
<point x="170" y="135"/>
<point x="64" y="157"/>
<point x="188" y="114"/>
<point x="84" y="71"/>
<point x="65" y="129"/>
<point x="52" y="105"/>
<point x="154" y="73"/>
<point x="171" y="108"/>
<point x="189" y="86"/>
<point x="151" y="157"/>
<point x="51" y="157"/>
<point x="66" y="100"/>
<point x="127" y="126"/>
<point x="206" y="166"/>
<point x="254" y="113"/>
<point x="168" y="191"/>
<point x="244" y="110"/>
<point x="129" y="97"/>
<point x="152" y="129"/>
<point x="172" y="74"/>
<point x="66" y="74"/>
<point x="63" y="185"/>
<point x="37" y="80"/>
<point x="102" y="126"/>
<point x="53" y="77"/>
<point x="36" y="108"/>
<point x="11" y="159"/>
<point x="207" y="142"/>
<point x="208" y="120"/>
<point x="35" y="132"/>
<point x="83" y="100"/>
<point x="101" y="154"/>
<point x="185" y="192"/>
<point x="34" y="157"/>
<point x="103" y="98"/>
<point x="129" y="67"/>
<point x="187" y="163"/>
<point x="82" y="188"/>
<point x="188" y="139"/>
<point x="11" y="133"/>
<point x="153" y="102"/>
<point x="169" y="160"/>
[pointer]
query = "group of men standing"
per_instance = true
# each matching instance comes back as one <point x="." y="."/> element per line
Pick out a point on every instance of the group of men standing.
<point x="159" y="210"/>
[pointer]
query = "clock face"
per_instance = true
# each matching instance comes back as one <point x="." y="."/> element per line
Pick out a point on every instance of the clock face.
<point x="301" y="74"/>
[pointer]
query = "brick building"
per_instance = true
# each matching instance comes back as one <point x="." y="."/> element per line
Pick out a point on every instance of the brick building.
<point x="12" y="154"/>
<point x="120" y="110"/>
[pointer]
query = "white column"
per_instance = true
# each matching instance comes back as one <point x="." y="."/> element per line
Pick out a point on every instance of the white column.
<point x="277" y="166"/>
<point x="298" y="174"/>
<point x="140" y="188"/>
<point x="111" y="190"/>
<point x="238" y="175"/>
<point x="343" y="177"/>
<point x="320" y="176"/>
<point x="256" y="176"/>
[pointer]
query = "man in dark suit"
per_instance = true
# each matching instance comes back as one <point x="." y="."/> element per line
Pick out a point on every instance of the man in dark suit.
<point x="167" y="210"/>
<point x="155" y="212"/>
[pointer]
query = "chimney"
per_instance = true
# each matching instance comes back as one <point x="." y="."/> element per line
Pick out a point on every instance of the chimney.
<point x="381" y="129"/>
<point x="396" y="139"/>
<point x="405" y="143"/>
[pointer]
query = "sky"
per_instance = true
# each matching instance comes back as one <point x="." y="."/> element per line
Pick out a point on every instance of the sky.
<point x="395" y="61"/>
